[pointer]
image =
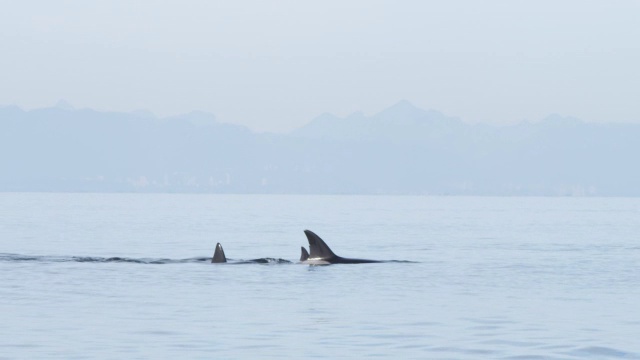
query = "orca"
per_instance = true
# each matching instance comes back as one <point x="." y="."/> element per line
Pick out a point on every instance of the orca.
<point x="304" y="255"/>
<point x="218" y="255"/>
<point x="320" y="253"/>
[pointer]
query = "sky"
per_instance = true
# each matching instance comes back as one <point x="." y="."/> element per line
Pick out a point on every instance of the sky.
<point x="275" y="65"/>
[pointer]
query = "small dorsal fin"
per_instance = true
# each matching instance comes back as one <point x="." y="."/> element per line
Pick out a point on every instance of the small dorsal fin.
<point x="218" y="255"/>
<point x="304" y="255"/>
<point x="317" y="247"/>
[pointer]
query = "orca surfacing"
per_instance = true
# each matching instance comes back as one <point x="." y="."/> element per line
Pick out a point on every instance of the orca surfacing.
<point x="218" y="255"/>
<point x="220" y="258"/>
<point x="320" y="253"/>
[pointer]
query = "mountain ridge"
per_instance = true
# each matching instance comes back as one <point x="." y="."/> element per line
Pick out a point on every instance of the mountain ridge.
<point x="400" y="150"/>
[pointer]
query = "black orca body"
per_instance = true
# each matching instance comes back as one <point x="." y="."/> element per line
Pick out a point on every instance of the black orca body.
<point x="320" y="254"/>
<point x="304" y="255"/>
<point x="218" y="255"/>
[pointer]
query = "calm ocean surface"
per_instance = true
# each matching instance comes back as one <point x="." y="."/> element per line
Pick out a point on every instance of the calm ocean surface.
<point x="125" y="276"/>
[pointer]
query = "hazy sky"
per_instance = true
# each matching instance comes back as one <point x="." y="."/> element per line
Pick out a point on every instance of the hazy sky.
<point x="274" y="65"/>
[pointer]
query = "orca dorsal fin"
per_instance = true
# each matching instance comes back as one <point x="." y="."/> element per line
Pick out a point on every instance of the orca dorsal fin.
<point x="317" y="247"/>
<point x="304" y="255"/>
<point x="218" y="255"/>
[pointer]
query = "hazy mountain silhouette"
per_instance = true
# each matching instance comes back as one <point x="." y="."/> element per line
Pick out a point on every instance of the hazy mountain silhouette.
<point x="401" y="150"/>
<point x="400" y="123"/>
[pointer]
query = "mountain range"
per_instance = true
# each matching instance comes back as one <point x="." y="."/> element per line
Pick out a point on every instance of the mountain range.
<point x="401" y="150"/>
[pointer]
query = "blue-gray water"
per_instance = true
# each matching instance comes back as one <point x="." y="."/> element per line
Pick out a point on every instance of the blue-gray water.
<point x="496" y="278"/>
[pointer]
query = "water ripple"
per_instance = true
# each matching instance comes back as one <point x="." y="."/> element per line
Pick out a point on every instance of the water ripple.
<point x="601" y="352"/>
<point x="117" y="259"/>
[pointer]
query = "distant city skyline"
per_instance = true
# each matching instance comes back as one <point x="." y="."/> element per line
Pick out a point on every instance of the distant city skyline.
<point x="276" y="65"/>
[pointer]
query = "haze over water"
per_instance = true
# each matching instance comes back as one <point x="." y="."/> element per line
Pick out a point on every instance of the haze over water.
<point x="113" y="199"/>
<point x="272" y="66"/>
<point x="501" y="278"/>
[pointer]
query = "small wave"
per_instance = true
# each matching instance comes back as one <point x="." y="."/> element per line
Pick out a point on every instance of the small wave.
<point x="603" y="352"/>
<point x="117" y="259"/>
<point x="96" y="259"/>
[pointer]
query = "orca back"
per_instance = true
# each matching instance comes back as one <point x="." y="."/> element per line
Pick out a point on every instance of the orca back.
<point x="319" y="250"/>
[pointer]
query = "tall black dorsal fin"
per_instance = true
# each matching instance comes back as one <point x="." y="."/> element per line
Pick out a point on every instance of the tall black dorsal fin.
<point x="304" y="255"/>
<point x="218" y="255"/>
<point x="317" y="247"/>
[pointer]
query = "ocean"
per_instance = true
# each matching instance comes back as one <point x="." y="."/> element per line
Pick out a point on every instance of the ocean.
<point x="104" y="276"/>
